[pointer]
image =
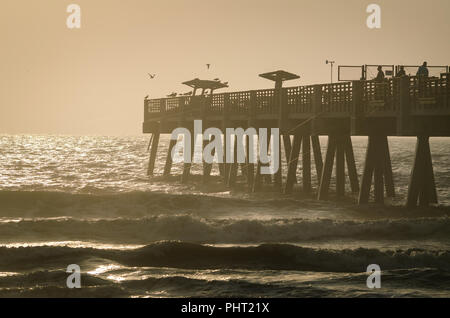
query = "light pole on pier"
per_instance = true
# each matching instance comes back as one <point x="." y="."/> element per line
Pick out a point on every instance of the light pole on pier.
<point x="332" y="64"/>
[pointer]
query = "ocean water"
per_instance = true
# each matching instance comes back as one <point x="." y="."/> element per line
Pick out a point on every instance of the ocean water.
<point x="87" y="200"/>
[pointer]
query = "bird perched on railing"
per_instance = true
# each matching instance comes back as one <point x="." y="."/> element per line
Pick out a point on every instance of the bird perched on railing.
<point x="146" y="97"/>
<point x="217" y="79"/>
<point x="172" y="95"/>
<point x="187" y="94"/>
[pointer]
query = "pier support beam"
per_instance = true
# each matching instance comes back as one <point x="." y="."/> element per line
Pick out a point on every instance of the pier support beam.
<point x="222" y="164"/>
<point x="278" y="176"/>
<point x="226" y="166"/>
<point x="287" y="146"/>
<point x="304" y="142"/>
<point x="422" y="186"/>
<point x="233" y="170"/>
<point x="168" y="165"/>
<point x="249" y="166"/>
<point x="317" y="156"/>
<point x="187" y="166"/>
<point x="306" y="164"/>
<point x="258" y="178"/>
<point x="378" y="166"/>
<point x="153" y="151"/>
<point x="207" y="167"/>
<point x="339" y="146"/>
<point x="287" y="150"/>
<point x="292" y="163"/>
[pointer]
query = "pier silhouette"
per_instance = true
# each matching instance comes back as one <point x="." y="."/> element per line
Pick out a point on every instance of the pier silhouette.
<point x="398" y="106"/>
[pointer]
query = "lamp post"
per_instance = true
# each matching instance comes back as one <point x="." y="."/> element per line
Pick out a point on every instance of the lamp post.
<point x="332" y="64"/>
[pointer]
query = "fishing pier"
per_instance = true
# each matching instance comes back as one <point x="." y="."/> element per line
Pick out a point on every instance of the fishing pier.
<point x="402" y="106"/>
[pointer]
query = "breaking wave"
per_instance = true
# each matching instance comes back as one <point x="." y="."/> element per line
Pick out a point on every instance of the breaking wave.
<point x="196" y="256"/>
<point x="131" y="204"/>
<point x="213" y="231"/>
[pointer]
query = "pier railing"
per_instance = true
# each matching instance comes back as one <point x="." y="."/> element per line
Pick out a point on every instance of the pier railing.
<point x="427" y="96"/>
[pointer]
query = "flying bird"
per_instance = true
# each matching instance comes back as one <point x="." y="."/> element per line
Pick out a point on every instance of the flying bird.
<point x="146" y="97"/>
<point x="207" y="66"/>
<point x="152" y="76"/>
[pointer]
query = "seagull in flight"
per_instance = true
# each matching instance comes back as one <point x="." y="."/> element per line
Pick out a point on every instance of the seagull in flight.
<point x="152" y="76"/>
<point x="207" y="66"/>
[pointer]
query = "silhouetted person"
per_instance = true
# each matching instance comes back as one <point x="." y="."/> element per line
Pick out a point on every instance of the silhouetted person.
<point x="422" y="74"/>
<point x="423" y="70"/>
<point x="380" y="76"/>
<point x="401" y="72"/>
<point x="379" y="88"/>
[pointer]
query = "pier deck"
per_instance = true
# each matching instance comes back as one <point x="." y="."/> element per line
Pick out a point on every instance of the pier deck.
<point x="406" y="106"/>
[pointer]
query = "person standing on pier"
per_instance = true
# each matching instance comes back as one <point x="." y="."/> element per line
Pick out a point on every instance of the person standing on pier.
<point x="423" y="70"/>
<point x="401" y="72"/>
<point x="379" y="89"/>
<point x="380" y="76"/>
<point x="422" y="74"/>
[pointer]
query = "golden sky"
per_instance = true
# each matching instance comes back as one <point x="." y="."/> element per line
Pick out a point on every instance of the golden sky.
<point x="93" y="80"/>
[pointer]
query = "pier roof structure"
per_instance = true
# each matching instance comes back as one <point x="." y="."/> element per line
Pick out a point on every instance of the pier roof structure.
<point x="205" y="84"/>
<point x="280" y="75"/>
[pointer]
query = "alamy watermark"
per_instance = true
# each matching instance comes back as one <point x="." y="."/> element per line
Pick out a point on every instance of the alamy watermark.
<point x="374" y="279"/>
<point x="74" y="19"/>
<point x="74" y="279"/>
<point x="213" y="151"/>
<point x="374" y="19"/>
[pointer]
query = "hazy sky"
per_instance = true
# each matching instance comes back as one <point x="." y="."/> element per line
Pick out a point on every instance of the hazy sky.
<point x="93" y="80"/>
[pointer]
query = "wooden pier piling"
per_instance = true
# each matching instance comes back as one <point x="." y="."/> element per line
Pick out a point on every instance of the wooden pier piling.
<point x="422" y="186"/>
<point x="258" y="178"/>
<point x="377" y="165"/>
<point x="278" y="179"/>
<point x="234" y="167"/>
<point x="250" y="173"/>
<point x="306" y="164"/>
<point x="207" y="167"/>
<point x="317" y="152"/>
<point x="153" y="153"/>
<point x="187" y="165"/>
<point x="168" y="165"/>
<point x="339" y="147"/>
<point x="292" y="163"/>
<point x="303" y="142"/>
